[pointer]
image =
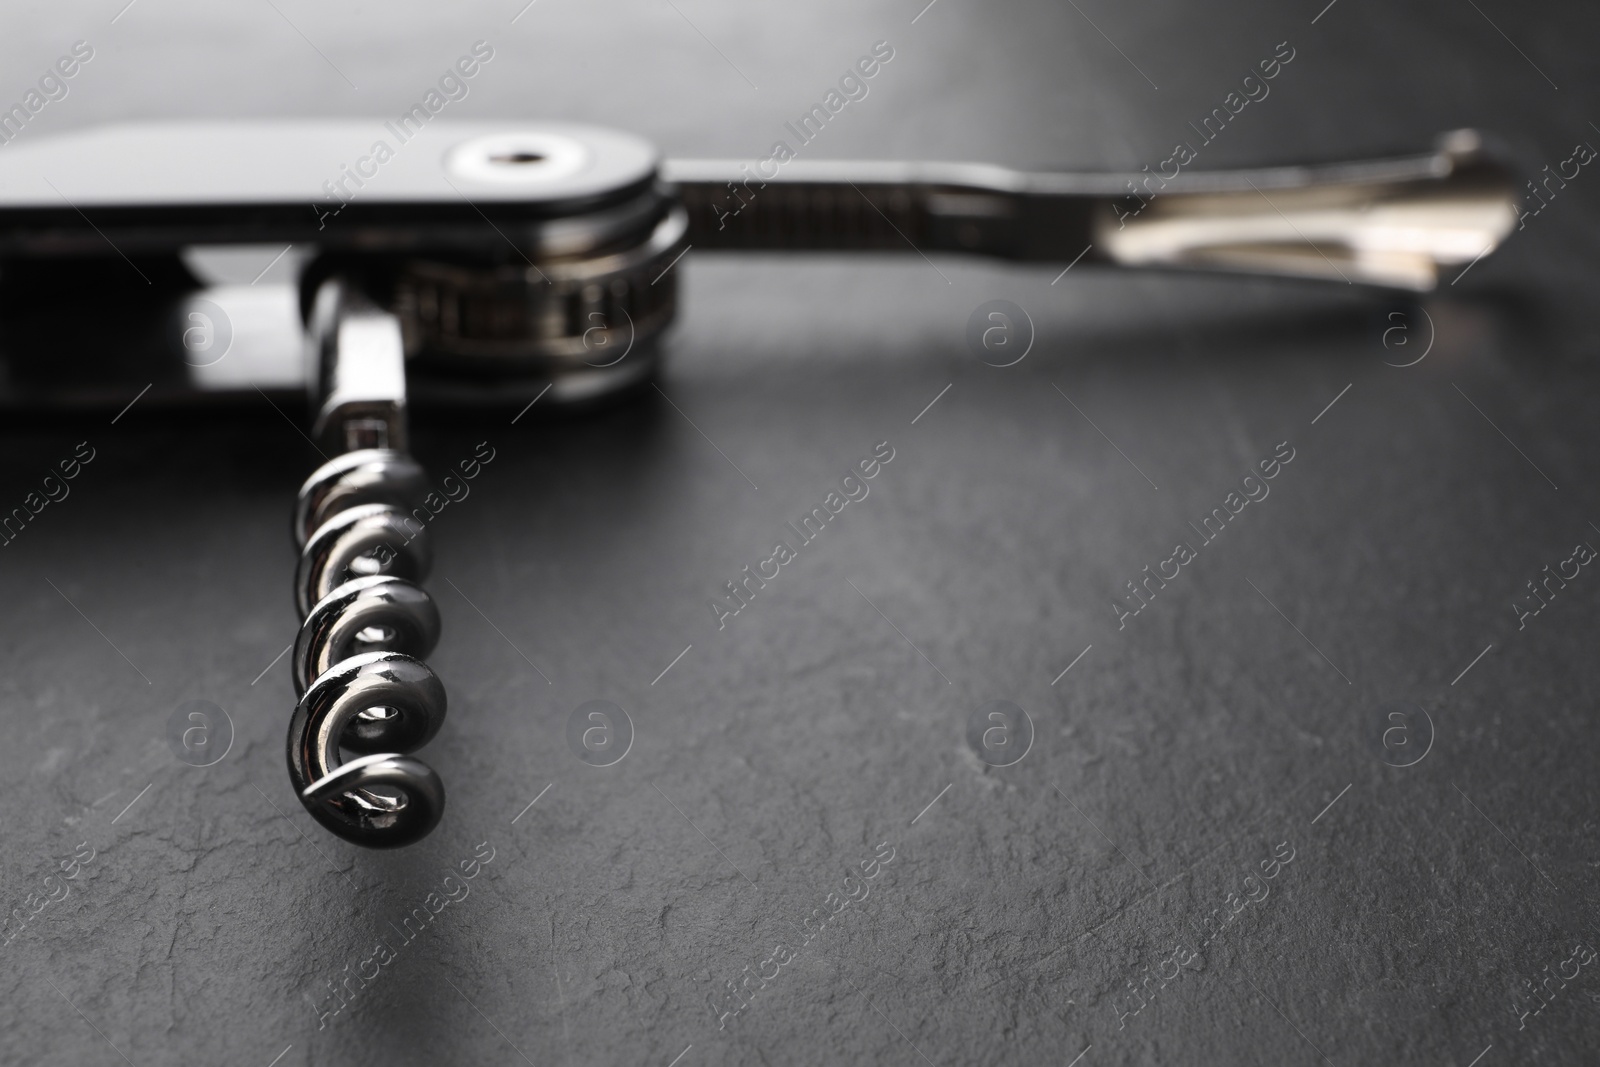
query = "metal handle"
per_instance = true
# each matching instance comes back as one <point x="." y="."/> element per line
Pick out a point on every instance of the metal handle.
<point x="1394" y="223"/>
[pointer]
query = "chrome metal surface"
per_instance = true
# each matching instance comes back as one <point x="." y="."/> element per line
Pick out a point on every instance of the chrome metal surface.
<point x="385" y="798"/>
<point x="1395" y="230"/>
<point x="357" y="666"/>
<point x="379" y="613"/>
<point x="1390" y="223"/>
<point x="365" y="476"/>
<point x="358" y="371"/>
<point x="560" y="315"/>
<point x="362" y="540"/>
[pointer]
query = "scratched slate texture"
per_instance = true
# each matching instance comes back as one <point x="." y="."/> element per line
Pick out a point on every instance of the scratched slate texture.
<point x="1029" y="912"/>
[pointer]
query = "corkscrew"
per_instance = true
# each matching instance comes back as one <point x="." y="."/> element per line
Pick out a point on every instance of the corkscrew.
<point x="366" y="623"/>
<point x="478" y="264"/>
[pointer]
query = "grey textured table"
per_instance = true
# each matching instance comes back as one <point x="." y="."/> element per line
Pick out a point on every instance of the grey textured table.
<point x="1107" y="897"/>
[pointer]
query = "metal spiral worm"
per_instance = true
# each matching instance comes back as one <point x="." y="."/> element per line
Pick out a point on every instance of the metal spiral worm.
<point x="358" y="669"/>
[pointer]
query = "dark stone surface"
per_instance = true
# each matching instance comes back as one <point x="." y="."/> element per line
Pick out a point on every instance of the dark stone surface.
<point x="779" y="752"/>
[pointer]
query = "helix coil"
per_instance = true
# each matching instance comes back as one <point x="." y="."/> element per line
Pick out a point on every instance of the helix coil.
<point x="358" y="671"/>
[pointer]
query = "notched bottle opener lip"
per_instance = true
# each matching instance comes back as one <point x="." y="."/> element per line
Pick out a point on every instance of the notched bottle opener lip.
<point x="520" y="258"/>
